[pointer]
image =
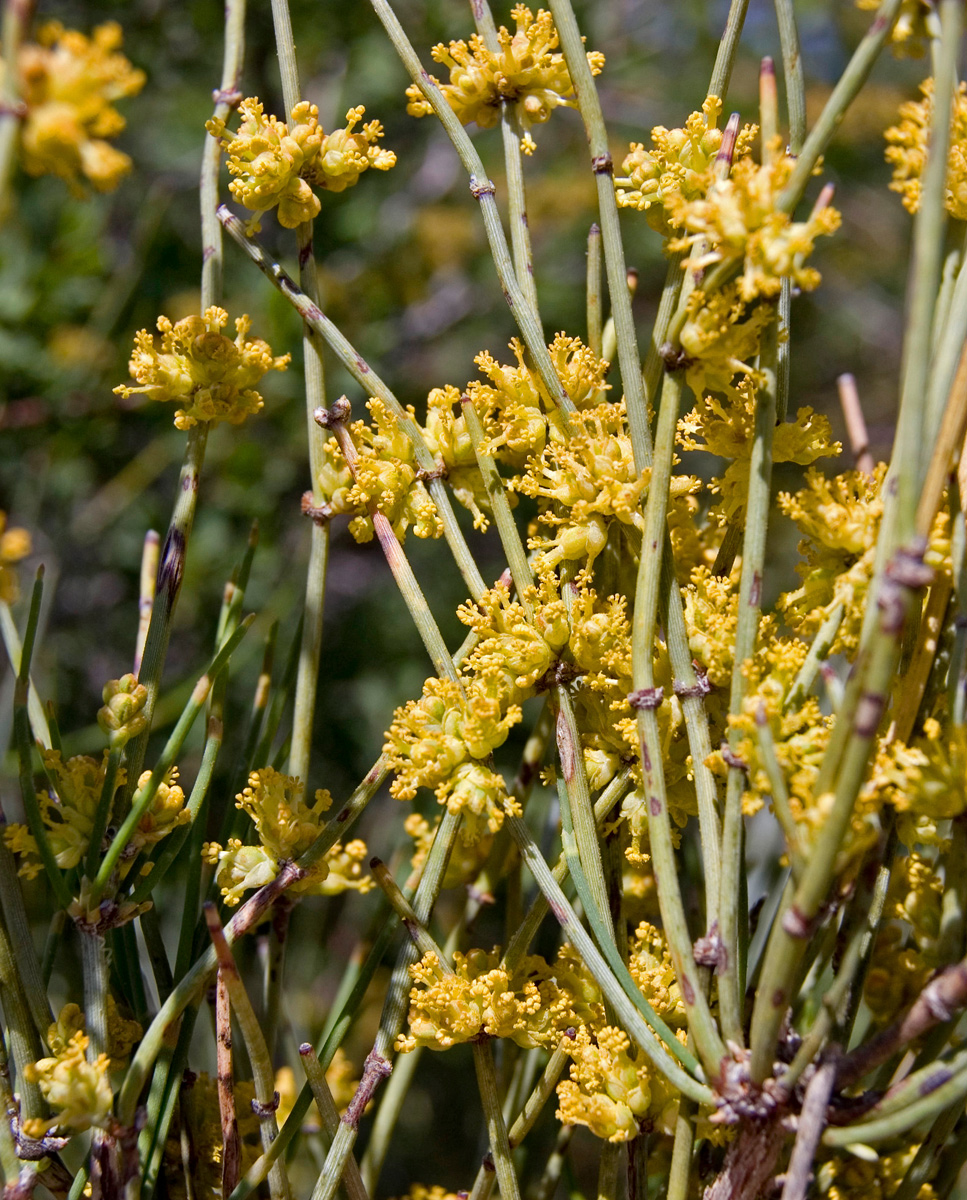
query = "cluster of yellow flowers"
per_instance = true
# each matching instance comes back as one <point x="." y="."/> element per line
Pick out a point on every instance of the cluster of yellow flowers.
<point x="907" y="151"/>
<point x="285" y="827"/>
<point x="69" y="806"/>
<point x="14" y="545"/>
<point x="526" y="72"/>
<point x="275" y="164"/>
<point x="211" y="376"/>
<point x="68" y="83"/>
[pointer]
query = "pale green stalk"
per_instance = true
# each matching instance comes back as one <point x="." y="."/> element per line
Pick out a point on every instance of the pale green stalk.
<point x="609" y="1171"/>
<point x="11" y="641"/>
<point x="654" y="367"/>
<point x="920" y="1170"/>
<point x="10" y="1164"/>
<point x="647" y="698"/>
<point x="950" y="333"/>
<point x="593" y="291"/>
<point x="255" y="1045"/>
<point x="15" y="918"/>
<point x="145" y="794"/>
<point x="842" y="96"/>
<point x="384" y="1123"/>
<point x="680" y="1168"/>
<point x="312" y="346"/>
<point x="16" y="18"/>
<point x="483" y="1061"/>
<point x="352" y="1180"/>
<point x="912" y="451"/>
<point x="792" y="71"/>
<point x="881" y="1128"/>
<point x="628" y="1010"/>
<point x="780" y="793"/>
<point x="589" y="104"/>
<point x="730" y="982"/>
<point x="371" y="383"/>
<point x="818" y="653"/>
<point x="484" y="192"/>
<point x="21" y="1032"/>
<point x="728" y="48"/>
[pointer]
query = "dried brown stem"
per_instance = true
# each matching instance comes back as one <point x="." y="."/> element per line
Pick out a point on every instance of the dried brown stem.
<point x="859" y="441"/>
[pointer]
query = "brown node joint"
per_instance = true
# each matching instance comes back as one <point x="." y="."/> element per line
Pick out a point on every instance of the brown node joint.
<point x="710" y="950"/>
<point x="907" y="567"/>
<point x="230" y="96"/>
<point x="477" y="189"/>
<point x="321" y="514"/>
<point x="15" y="108"/>
<point x="731" y="759"/>
<point x="674" y="357"/>
<point x="268" y="1108"/>
<point x="428" y="476"/>
<point x="337" y="415"/>
<point x="647" y="698"/>
<point x="602" y="164"/>
<point x="689" y="691"/>
<point x="797" y="924"/>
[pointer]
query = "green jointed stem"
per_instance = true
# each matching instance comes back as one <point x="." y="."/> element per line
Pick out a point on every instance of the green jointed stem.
<point x="912" y="452"/>
<point x="11" y="640"/>
<point x="170" y="573"/>
<point x="602" y="166"/>
<point x="920" y="1170"/>
<point x="626" y="998"/>
<point x="793" y="73"/>
<point x="21" y="1032"/>
<point x="842" y="96"/>
<point x="312" y="344"/>
<point x="371" y="383"/>
<point x="647" y="698"/>
<point x="728" y="48"/>
<point x="483" y="191"/>
<point x="352" y="1180"/>
<point x="143" y="797"/>
<point x="950" y="338"/>
<point x="28" y="964"/>
<point x="593" y="289"/>
<point x="730" y="983"/>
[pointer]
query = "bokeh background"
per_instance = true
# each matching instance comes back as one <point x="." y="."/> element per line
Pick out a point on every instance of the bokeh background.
<point x="405" y="273"/>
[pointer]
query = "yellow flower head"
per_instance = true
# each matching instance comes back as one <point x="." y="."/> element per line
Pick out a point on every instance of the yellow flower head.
<point x="527" y="72"/>
<point x="680" y="162"/>
<point x="651" y="966"/>
<point x="14" y="545"/>
<point x="737" y="222"/>
<point x="915" y="25"/>
<point x="521" y="416"/>
<point x="591" y="480"/>
<point x="212" y="377"/>
<point x="122" y="716"/>
<point x="165" y="814"/>
<point x="68" y="83"/>
<point x="721" y="339"/>
<point x="611" y="1094"/>
<point x="907" y="151"/>
<point x="346" y="153"/>
<point x="122" y="1034"/>
<point x="78" y="1091"/>
<point x="448" y="438"/>
<point x="266" y="158"/>
<point x="522" y="652"/>
<point x="929" y="779"/>
<point x="465" y="861"/>
<point x="387" y="476"/>
<point x="67" y="811"/>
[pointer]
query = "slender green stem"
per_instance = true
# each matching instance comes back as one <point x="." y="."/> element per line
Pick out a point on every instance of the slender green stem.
<point x="390" y="1108"/>
<point x="816" y="656"/>
<point x="21" y="1031"/>
<point x="316" y="1076"/>
<point x="920" y="1170"/>
<point x="11" y="641"/>
<point x="105" y="806"/>
<point x="15" y="917"/>
<point x="484" y="192"/>
<point x="730" y="983"/>
<point x="371" y="383"/>
<point x="627" y="1010"/>
<point x="312" y="342"/>
<point x="96" y="991"/>
<point x="144" y="796"/>
<point x="483" y="1061"/>
<point x="589" y="104"/>
<point x="680" y="1170"/>
<point x="728" y="48"/>
<point x="654" y="368"/>
<point x="609" y="1171"/>
<point x="950" y="334"/>
<point x="842" y="96"/>
<point x="647" y="699"/>
<point x="16" y="19"/>
<point x="258" y="1051"/>
<point x="780" y="793"/>
<point x="594" y="318"/>
<point x="170" y="574"/>
<point x="792" y="70"/>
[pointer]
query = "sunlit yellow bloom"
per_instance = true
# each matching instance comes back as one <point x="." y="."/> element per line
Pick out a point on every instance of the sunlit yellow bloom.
<point x="737" y="222"/>
<point x="721" y="339"/>
<point x="68" y="83"/>
<point x="78" y="1091"/>
<point x="165" y="814"/>
<point x="346" y="153"/>
<point x="14" y="545"/>
<point x="526" y="72"/>
<point x="122" y="1034"/>
<point x="212" y="377"/>
<point x="907" y="151"/>
<point x="651" y="966"/>
<point x="609" y="1092"/>
<point x="448" y="438"/>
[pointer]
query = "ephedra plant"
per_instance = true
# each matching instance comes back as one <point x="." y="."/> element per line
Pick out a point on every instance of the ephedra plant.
<point x="813" y="1046"/>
